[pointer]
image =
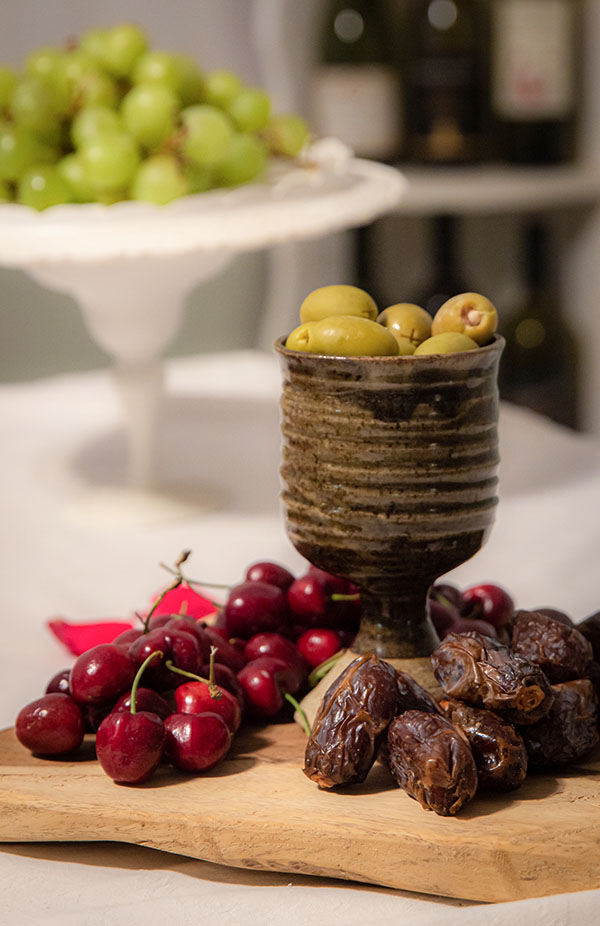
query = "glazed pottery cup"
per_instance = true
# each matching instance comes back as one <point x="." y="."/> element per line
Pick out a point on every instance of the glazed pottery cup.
<point x="389" y="477"/>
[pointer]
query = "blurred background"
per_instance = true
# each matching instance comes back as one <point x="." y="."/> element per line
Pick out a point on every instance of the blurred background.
<point x="489" y="107"/>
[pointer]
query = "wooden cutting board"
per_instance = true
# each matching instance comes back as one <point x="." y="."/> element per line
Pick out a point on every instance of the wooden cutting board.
<point x="257" y="810"/>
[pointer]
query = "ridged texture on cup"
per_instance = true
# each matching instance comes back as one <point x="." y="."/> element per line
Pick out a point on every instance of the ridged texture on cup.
<point x="390" y="471"/>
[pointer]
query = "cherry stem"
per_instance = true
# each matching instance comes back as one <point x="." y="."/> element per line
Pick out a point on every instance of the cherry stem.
<point x="338" y="596"/>
<point x="321" y="670"/>
<point x="212" y="688"/>
<point x="186" y="581"/>
<point x="139" y="674"/>
<point x="300" y="711"/>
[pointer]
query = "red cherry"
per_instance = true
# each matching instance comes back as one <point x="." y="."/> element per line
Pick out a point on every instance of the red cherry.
<point x="196" y="698"/>
<point x="180" y="647"/>
<point x="265" y="681"/>
<point x="196" y="742"/>
<point x="271" y="573"/>
<point x="59" y="682"/>
<point x="274" y="644"/>
<point x="101" y="674"/>
<point x="146" y="700"/>
<point x="50" y="725"/>
<point x="191" y="625"/>
<point x="488" y="602"/>
<point x="255" y="607"/>
<point x="130" y="746"/>
<point x="318" y="644"/>
<point x="308" y="598"/>
<point x="128" y="636"/>
<point x="333" y="584"/>
<point x="225" y="678"/>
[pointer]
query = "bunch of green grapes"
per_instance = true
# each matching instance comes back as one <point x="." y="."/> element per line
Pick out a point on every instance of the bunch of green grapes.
<point x="109" y="119"/>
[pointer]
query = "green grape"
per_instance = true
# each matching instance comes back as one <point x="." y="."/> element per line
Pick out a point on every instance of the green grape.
<point x="158" y="67"/>
<point x="286" y="135"/>
<point x="110" y="161"/>
<point x="44" y="63"/>
<point x="245" y="159"/>
<point x="93" y="121"/>
<point x="95" y="89"/>
<point x="199" y="179"/>
<point x="220" y="88"/>
<point x="123" y="46"/>
<point x="8" y="82"/>
<point x="93" y="42"/>
<point x="72" y="171"/>
<point x="191" y="81"/>
<point x="148" y="112"/>
<point x="33" y="105"/>
<point x="20" y="149"/>
<point x="159" y="180"/>
<point x="42" y="186"/>
<point x="250" y="109"/>
<point x="208" y="133"/>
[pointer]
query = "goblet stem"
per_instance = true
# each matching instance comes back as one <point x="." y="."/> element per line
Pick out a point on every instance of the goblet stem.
<point x="396" y="625"/>
<point x="140" y="386"/>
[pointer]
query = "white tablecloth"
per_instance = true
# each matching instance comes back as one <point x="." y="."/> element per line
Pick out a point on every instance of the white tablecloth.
<point x="61" y="439"/>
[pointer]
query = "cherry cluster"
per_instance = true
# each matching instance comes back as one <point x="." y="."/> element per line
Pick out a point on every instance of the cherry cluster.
<point x="485" y="608"/>
<point x="273" y="638"/>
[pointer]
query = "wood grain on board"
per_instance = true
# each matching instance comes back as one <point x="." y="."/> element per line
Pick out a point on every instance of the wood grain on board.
<point x="257" y="810"/>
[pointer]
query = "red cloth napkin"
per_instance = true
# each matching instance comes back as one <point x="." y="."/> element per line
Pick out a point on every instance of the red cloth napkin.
<point x="79" y="637"/>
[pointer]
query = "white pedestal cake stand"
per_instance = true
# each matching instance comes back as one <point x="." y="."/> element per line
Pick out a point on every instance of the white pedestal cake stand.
<point x="130" y="266"/>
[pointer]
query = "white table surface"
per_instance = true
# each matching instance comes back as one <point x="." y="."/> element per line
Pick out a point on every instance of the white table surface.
<point x="62" y="435"/>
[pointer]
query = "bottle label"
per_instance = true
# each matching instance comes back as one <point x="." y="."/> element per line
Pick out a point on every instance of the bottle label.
<point x="359" y="104"/>
<point x="533" y="59"/>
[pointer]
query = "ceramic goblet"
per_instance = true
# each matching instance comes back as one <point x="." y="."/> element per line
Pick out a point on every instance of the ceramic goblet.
<point x="389" y="477"/>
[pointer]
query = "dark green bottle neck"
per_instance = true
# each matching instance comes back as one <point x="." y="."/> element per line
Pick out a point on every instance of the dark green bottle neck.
<point x="355" y="32"/>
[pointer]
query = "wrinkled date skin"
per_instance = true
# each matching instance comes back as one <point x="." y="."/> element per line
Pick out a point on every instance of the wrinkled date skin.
<point x="569" y="731"/>
<point x="487" y="673"/>
<point x="562" y="652"/>
<point x="411" y="697"/>
<point x="432" y="761"/>
<point x="350" y="723"/>
<point x="498" y="750"/>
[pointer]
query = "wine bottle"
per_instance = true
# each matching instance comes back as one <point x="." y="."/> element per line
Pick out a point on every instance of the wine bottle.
<point x="356" y="94"/>
<point x="444" y="280"/>
<point x="445" y="74"/>
<point x="539" y="366"/>
<point x="533" y="80"/>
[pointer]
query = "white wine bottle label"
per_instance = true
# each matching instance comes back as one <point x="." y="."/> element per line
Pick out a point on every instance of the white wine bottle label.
<point x="532" y="74"/>
<point x="360" y="105"/>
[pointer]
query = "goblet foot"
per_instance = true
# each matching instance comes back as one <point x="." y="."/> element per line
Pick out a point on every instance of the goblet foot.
<point x="396" y="625"/>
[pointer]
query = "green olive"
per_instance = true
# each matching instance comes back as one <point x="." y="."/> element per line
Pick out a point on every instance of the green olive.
<point x="405" y="345"/>
<point x="467" y="313"/>
<point x="337" y="300"/>
<point x="449" y="342"/>
<point x="408" y="321"/>
<point x="343" y="336"/>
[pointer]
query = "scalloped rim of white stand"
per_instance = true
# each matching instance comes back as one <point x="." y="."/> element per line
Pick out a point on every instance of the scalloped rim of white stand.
<point x="328" y="191"/>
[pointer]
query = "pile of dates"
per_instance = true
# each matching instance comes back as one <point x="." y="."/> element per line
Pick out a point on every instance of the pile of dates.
<point x="176" y="689"/>
<point x="344" y="321"/>
<point x="526" y="702"/>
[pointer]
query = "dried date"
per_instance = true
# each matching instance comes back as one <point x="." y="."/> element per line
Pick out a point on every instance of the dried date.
<point x="569" y="731"/>
<point x="486" y="673"/>
<point x="562" y="652"/>
<point x="432" y="761"/>
<point x="351" y="722"/>
<point x="498" y="749"/>
<point x="411" y="697"/>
